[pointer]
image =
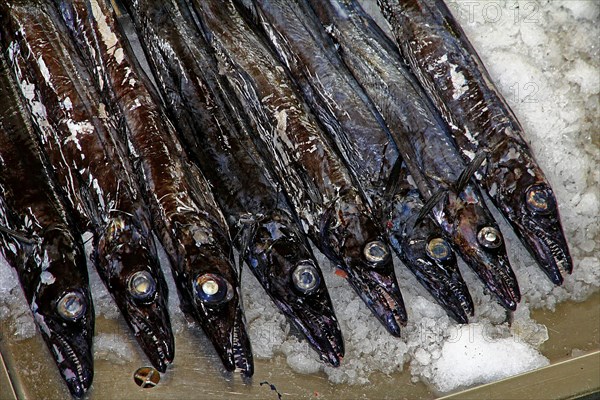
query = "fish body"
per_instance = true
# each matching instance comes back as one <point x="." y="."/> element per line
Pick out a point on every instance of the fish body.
<point x="317" y="183"/>
<point x="191" y="225"/>
<point x="297" y="36"/>
<point x="47" y="252"/>
<point x="480" y="121"/>
<point x="91" y="168"/>
<point x="209" y="120"/>
<point x="424" y="144"/>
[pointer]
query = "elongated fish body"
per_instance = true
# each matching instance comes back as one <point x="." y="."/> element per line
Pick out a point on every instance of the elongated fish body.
<point x="297" y="36"/>
<point x="47" y="252"/>
<point x="91" y="169"/>
<point x="317" y="183"/>
<point x="448" y="67"/>
<point x="423" y="142"/>
<point x="192" y="228"/>
<point x="208" y="118"/>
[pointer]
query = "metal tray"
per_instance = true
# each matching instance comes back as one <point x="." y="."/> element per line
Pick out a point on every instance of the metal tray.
<point x="28" y="372"/>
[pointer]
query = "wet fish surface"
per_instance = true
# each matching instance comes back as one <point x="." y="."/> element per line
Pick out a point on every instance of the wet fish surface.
<point x="317" y="183"/>
<point x="91" y="168"/>
<point x="424" y="144"/>
<point x="191" y="225"/>
<point x="39" y="239"/>
<point x="209" y="119"/>
<point x="481" y="122"/>
<point x="296" y="35"/>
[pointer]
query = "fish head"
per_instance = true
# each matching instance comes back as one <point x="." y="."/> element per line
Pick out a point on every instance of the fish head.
<point x="527" y="199"/>
<point x="481" y="244"/>
<point x="62" y="307"/>
<point x="542" y="232"/>
<point x="423" y="249"/>
<point x="519" y="188"/>
<point x="210" y="288"/>
<point x="128" y="264"/>
<point x="357" y="245"/>
<point x="284" y="264"/>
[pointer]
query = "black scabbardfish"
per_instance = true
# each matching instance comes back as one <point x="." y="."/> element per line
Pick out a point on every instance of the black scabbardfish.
<point x="424" y="144"/>
<point x="297" y="36"/>
<point x="317" y="183"/>
<point x="481" y="122"/>
<point x="190" y="224"/>
<point x="210" y="121"/>
<point x="40" y="241"/>
<point x="91" y="168"/>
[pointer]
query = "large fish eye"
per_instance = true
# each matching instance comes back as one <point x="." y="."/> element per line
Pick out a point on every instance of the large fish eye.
<point x="212" y="289"/>
<point x="539" y="199"/>
<point x="376" y="252"/>
<point x="438" y="249"/>
<point x="489" y="237"/>
<point x="142" y="285"/>
<point x="71" y="306"/>
<point x="305" y="277"/>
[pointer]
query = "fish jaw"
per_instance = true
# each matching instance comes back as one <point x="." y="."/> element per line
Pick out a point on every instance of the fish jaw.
<point x="375" y="283"/>
<point x="70" y="341"/>
<point x="121" y="252"/>
<point x="490" y="264"/>
<point x="539" y="229"/>
<point x="221" y="319"/>
<point x="545" y="238"/>
<point x="273" y="257"/>
<point x="71" y="345"/>
<point x="439" y="275"/>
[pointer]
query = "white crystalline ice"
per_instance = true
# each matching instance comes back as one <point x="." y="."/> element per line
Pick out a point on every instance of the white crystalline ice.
<point x="475" y="358"/>
<point x="586" y="76"/>
<point x="585" y="9"/>
<point x="113" y="348"/>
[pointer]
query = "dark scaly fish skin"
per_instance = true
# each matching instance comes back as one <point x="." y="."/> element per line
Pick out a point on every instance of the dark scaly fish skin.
<point x="209" y="120"/>
<point x="317" y="183"/>
<point x="479" y="120"/>
<point x="51" y="262"/>
<point x="89" y="166"/>
<point x="297" y="36"/>
<point x="192" y="228"/>
<point x="422" y="141"/>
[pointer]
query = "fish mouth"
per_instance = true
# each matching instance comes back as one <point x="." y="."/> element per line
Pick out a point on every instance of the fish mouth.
<point x="229" y="337"/>
<point x="314" y="316"/>
<point x="123" y="252"/>
<point x="274" y="256"/>
<point x="441" y="277"/>
<point x="209" y="289"/>
<point x="225" y="327"/>
<point x="546" y="241"/>
<point x="152" y="329"/>
<point x="494" y="270"/>
<point x="478" y="239"/>
<point x="73" y="352"/>
<point x="322" y="332"/>
<point x="379" y="290"/>
<point x="71" y="345"/>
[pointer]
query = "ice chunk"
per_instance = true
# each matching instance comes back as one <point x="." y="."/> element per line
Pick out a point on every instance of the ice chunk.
<point x="586" y="76"/>
<point x="474" y="358"/>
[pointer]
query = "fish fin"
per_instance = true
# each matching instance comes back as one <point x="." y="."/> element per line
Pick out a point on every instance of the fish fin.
<point x="246" y="235"/>
<point x="469" y="171"/>
<point x="428" y="206"/>
<point x="324" y="227"/>
<point x="393" y="182"/>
